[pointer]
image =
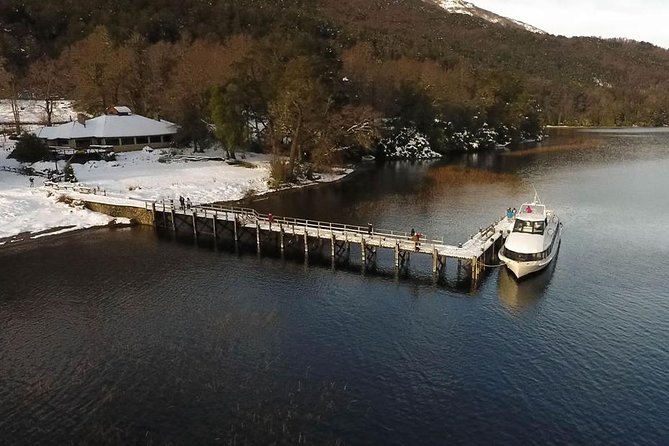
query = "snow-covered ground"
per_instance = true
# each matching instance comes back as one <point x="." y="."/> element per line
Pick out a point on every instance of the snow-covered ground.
<point x="25" y="209"/>
<point x="33" y="112"/>
<point x="151" y="175"/>
<point x="144" y="175"/>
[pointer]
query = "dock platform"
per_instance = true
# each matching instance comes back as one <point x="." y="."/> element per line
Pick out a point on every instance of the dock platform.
<point x="245" y="225"/>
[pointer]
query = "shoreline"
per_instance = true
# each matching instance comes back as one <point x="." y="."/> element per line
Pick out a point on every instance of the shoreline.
<point x="55" y="235"/>
<point x="26" y="239"/>
<point x="354" y="170"/>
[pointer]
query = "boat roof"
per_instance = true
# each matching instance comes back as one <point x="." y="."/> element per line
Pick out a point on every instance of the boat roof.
<point x="531" y="212"/>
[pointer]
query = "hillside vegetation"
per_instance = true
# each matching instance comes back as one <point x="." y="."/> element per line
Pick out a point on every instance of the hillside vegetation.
<point x="308" y="76"/>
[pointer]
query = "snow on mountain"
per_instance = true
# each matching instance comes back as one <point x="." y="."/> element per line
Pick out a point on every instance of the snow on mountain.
<point x="462" y="7"/>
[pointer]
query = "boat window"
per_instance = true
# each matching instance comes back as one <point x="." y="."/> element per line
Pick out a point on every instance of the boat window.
<point x="521" y="257"/>
<point x="529" y="227"/>
<point x="539" y="227"/>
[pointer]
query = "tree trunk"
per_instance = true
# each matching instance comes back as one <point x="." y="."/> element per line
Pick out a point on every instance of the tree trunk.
<point x="17" y="116"/>
<point x="48" y="106"/>
<point x="294" y="146"/>
<point x="16" y="112"/>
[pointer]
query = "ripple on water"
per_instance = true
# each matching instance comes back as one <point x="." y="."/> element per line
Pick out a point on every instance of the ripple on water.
<point x="119" y="337"/>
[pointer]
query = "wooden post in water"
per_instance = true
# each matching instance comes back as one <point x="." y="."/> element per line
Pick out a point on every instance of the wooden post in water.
<point x="235" y="232"/>
<point x="306" y="244"/>
<point x="258" y="235"/>
<point x="174" y="223"/>
<point x="363" y="252"/>
<point x="213" y="222"/>
<point x="195" y="225"/>
<point x="435" y="261"/>
<point x="281" y="245"/>
<point x="494" y="246"/>
<point x="333" y="243"/>
<point x="397" y="255"/>
<point x="153" y="213"/>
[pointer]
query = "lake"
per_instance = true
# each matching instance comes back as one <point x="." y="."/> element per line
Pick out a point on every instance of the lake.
<point x="123" y="337"/>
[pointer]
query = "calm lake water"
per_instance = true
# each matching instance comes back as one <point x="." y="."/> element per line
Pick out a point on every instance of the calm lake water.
<point x="119" y="337"/>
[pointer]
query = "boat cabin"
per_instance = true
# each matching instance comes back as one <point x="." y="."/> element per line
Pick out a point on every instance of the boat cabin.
<point x="531" y="219"/>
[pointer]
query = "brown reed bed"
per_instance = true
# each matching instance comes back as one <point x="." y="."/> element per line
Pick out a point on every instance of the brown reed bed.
<point x="575" y="144"/>
<point x="461" y="176"/>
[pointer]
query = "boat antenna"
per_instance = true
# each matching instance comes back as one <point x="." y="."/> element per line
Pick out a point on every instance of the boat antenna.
<point x="536" y="194"/>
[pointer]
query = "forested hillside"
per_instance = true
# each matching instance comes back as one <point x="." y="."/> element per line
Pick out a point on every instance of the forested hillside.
<point x="320" y="73"/>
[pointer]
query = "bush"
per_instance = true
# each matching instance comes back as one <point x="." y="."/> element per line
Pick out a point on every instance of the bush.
<point x="68" y="174"/>
<point x="30" y="149"/>
<point x="279" y="173"/>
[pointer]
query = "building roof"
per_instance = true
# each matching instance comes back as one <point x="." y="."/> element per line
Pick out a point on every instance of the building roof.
<point x="109" y="126"/>
<point x="119" y="110"/>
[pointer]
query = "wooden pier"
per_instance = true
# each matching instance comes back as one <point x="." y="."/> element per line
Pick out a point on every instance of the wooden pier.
<point x="264" y="231"/>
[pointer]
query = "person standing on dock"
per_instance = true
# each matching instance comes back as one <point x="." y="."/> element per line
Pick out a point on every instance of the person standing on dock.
<point x="32" y="181"/>
<point x="509" y="214"/>
<point x="370" y="228"/>
<point x="270" y="218"/>
<point x="416" y="239"/>
<point x="182" y="202"/>
<point x="188" y="203"/>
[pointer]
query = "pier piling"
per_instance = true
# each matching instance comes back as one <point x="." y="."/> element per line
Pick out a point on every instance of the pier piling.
<point x="477" y="252"/>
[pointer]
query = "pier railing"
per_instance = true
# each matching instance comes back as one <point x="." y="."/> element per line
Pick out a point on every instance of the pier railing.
<point x="210" y="220"/>
<point x="73" y="187"/>
<point x="290" y="223"/>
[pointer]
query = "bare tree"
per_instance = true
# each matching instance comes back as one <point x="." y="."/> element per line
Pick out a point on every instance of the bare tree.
<point x="46" y="82"/>
<point x="9" y="89"/>
<point x="301" y="103"/>
<point x="94" y="70"/>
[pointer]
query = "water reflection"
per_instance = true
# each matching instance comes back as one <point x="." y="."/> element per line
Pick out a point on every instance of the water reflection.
<point x="119" y="338"/>
<point x="516" y="295"/>
<point x="451" y="176"/>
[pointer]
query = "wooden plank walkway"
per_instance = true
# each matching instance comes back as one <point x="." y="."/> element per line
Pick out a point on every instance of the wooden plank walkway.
<point x="476" y="251"/>
<point x="245" y="225"/>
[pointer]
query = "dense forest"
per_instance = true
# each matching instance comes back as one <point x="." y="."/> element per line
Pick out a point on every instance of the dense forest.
<point x="309" y="76"/>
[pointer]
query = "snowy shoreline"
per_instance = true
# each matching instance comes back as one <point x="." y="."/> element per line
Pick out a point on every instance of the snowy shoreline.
<point x="28" y="213"/>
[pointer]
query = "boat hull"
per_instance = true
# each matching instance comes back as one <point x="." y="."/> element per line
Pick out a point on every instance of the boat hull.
<point x="522" y="269"/>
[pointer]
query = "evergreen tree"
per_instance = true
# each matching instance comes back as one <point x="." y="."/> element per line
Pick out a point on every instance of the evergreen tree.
<point x="30" y="149"/>
<point x="230" y="120"/>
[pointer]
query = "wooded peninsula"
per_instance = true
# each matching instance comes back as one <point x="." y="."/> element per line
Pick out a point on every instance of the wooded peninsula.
<point x="309" y="77"/>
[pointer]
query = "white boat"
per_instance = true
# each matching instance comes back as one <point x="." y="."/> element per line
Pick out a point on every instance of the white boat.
<point x="533" y="240"/>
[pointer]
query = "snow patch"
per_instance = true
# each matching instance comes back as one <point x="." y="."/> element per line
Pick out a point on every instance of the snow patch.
<point x="463" y="7"/>
<point x="32" y="112"/>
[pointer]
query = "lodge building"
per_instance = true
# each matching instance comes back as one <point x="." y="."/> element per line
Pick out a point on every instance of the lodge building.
<point x="119" y="129"/>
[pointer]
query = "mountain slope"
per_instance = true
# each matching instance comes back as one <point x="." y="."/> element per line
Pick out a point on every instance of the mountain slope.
<point x="467" y="59"/>
<point x="462" y="7"/>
